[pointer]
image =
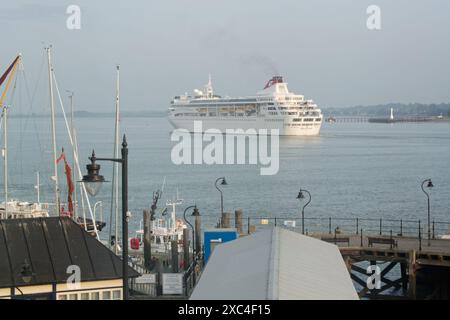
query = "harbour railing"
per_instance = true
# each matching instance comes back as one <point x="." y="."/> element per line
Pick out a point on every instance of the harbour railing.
<point x="348" y="225"/>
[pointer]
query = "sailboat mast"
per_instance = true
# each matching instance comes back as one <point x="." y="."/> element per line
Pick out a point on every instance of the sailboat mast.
<point x="11" y="70"/>
<point x="5" y="153"/>
<point x="52" y="107"/>
<point x="72" y="128"/>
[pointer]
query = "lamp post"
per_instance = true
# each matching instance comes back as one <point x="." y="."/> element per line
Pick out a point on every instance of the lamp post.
<point x="223" y="183"/>
<point x="300" y="197"/>
<point x="429" y="185"/>
<point x="93" y="182"/>
<point x="192" y="227"/>
<point x="195" y="213"/>
<point x="26" y="274"/>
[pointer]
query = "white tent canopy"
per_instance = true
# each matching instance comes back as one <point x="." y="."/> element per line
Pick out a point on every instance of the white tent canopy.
<point x="272" y="264"/>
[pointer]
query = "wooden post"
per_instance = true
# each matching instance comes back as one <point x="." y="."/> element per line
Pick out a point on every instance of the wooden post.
<point x="412" y="275"/>
<point x="147" y="240"/>
<point x="433" y="231"/>
<point x="390" y="239"/>
<point x="381" y="226"/>
<point x="348" y="263"/>
<point x="357" y="225"/>
<point x="329" y="225"/>
<point x="362" y="238"/>
<point x="226" y="220"/>
<point x="198" y="237"/>
<point x="174" y="244"/>
<point x="186" y="245"/>
<point x="404" y="277"/>
<point x="238" y="220"/>
<point x="401" y="228"/>
<point x="420" y="237"/>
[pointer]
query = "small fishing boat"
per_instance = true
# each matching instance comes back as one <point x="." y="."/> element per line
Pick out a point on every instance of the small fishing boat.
<point x="165" y="229"/>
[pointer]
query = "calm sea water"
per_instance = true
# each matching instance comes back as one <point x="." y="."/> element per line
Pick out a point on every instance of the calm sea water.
<point x="352" y="170"/>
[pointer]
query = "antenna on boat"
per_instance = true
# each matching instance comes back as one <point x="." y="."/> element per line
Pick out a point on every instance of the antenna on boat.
<point x="163" y="185"/>
<point x="208" y="88"/>
<point x="173" y="204"/>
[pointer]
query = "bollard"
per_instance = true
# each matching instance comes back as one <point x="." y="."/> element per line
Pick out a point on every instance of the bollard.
<point x="248" y="224"/>
<point x="225" y="223"/>
<point x="357" y="225"/>
<point x="381" y="228"/>
<point x="238" y="220"/>
<point x="275" y="222"/>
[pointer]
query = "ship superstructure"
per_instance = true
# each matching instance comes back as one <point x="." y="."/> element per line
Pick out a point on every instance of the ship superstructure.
<point x="274" y="107"/>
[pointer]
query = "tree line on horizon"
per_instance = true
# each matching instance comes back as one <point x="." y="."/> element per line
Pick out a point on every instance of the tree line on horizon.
<point x="384" y="110"/>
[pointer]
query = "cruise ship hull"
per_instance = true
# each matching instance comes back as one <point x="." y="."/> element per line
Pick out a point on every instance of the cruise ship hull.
<point x="246" y="123"/>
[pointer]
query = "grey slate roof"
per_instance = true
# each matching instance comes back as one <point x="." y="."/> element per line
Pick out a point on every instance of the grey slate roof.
<point x="273" y="264"/>
<point x="50" y="245"/>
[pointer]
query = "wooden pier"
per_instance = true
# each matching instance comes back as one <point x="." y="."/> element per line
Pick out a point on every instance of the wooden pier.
<point x="413" y="261"/>
<point x="424" y="269"/>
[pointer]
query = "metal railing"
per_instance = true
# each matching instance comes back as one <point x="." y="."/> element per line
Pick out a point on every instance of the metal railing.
<point x="349" y="225"/>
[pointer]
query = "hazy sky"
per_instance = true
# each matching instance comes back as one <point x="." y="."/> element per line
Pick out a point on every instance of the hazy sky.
<point x="322" y="48"/>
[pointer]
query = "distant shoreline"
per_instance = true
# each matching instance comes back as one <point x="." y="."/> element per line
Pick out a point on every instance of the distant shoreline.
<point x="400" y="111"/>
<point x="87" y="114"/>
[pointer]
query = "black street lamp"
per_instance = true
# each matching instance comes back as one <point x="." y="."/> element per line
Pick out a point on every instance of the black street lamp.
<point x="93" y="181"/>
<point x="195" y="213"/>
<point x="429" y="185"/>
<point x="26" y="273"/>
<point x="223" y="183"/>
<point x="300" y="197"/>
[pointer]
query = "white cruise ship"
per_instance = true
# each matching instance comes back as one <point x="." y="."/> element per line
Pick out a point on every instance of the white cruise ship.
<point x="274" y="107"/>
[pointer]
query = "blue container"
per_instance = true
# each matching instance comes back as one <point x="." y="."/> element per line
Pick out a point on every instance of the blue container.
<point x="213" y="237"/>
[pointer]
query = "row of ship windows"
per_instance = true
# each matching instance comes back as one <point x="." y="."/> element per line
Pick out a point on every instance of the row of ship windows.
<point x="271" y="106"/>
<point x="291" y="108"/>
<point x="283" y="98"/>
<point x="295" y="114"/>
<point x="306" y="119"/>
<point x="242" y="115"/>
<point x="300" y="124"/>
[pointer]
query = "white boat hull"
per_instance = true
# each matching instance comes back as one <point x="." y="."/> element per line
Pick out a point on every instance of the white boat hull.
<point x="246" y="123"/>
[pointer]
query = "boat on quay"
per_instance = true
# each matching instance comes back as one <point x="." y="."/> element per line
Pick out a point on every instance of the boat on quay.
<point x="12" y="208"/>
<point x="164" y="229"/>
<point x="19" y="209"/>
<point x="274" y="107"/>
